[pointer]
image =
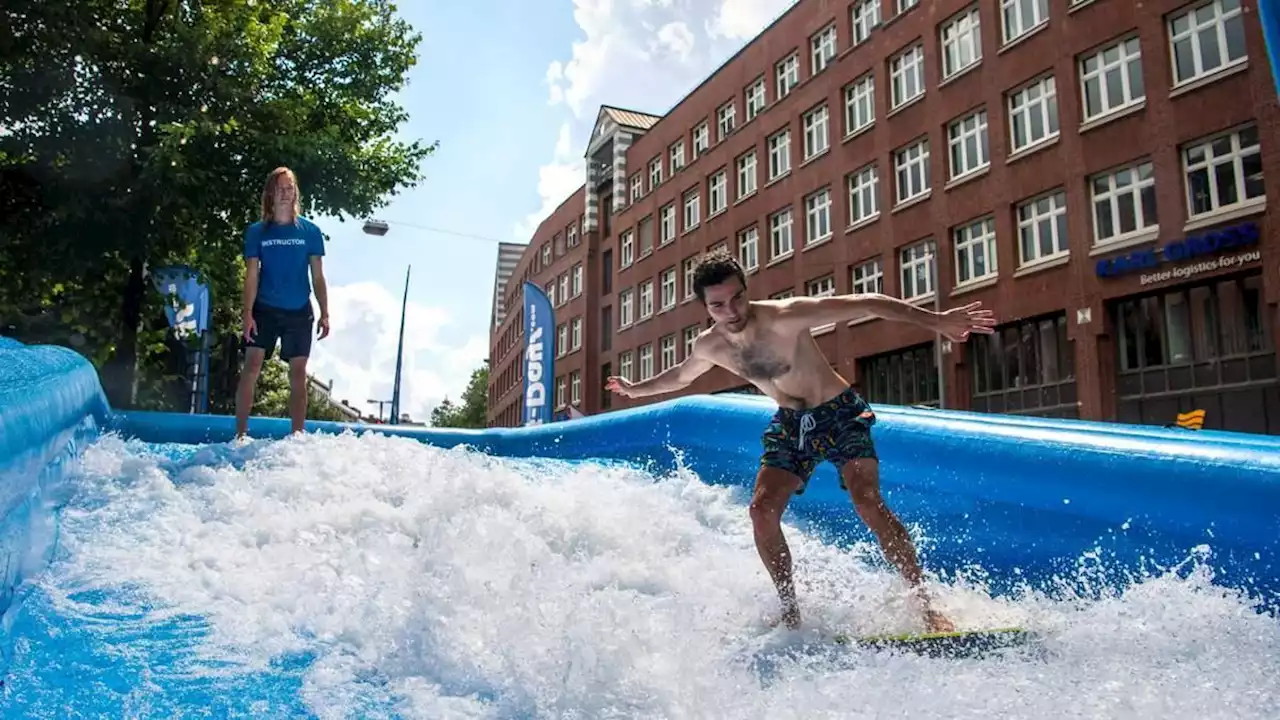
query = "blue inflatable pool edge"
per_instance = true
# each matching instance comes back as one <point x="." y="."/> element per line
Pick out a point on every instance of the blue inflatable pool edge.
<point x="1016" y="499"/>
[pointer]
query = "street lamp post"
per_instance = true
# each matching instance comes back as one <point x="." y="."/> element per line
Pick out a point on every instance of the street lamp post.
<point x="380" y="228"/>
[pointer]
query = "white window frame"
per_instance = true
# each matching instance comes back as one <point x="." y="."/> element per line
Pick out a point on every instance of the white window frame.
<point x="677" y="156"/>
<point x="824" y="286"/>
<point x="915" y="287"/>
<point x="1124" y="55"/>
<point x="968" y="144"/>
<point x="646" y="299"/>
<point x="779" y="145"/>
<point x="637" y="190"/>
<point x="1013" y="25"/>
<point x="626" y="308"/>
<point x="655" y="173"/>
<point x="1118" y="192"/>
<point x="575" y="387"/>
<point x="972" y="240"/>
<point x="562" y="340"/>
<point x="626" y="365"/>
<point x="690" y="337"/>
<point x="1188" y="35"/>
<point x="823" y="48"/>
<point x="817" y="216"/>
<point x="859" y="104"/>
<point x="690" y="264"/>
<point x="666" y="224"/>
<point x="668" y="289"/>
<point x="906" y="75"/>
<point x="788" y="74"/>
<point x="692" y="210"/>
<point x="816" y="131"/>
<point x="781" y="238"/>
<point x="864" y="16"/>
<point x="560" y="392"/>
<point x="575" y="282"/>
<point x="1243" y="143"/>
<point x="667" y="352"/>
<point x="748" y="169"/>
<point x="863" y="194"/>
<point x="626" y="249"/>
<point x="718" y="191"/>
<point x="725" y="119"/>
<point x="912" y="175"/>
<point x="749" y="248"/>
<point x="575" y="334"/>
<point x="867" y="277"/>
<point x="701" y="139"/>
<point x="961" y="41"/>
<point x="1034" y="102"/>
<point x="646" y="361"/>
<point x="1032" y="221"/>
<point x="755" y="98"/>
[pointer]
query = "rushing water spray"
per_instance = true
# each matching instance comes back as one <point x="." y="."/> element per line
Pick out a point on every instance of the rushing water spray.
<point x="378" y="577"/>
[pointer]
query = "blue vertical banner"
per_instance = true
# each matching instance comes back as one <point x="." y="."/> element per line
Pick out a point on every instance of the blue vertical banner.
<point x="1269" y="15"/>
<point x="187" y="306"/>
<point x="539" y="354"/>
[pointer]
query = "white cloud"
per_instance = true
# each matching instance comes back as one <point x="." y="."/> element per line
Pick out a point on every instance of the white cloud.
<point x="360" y="353"/>
<point x="639" y="54"/>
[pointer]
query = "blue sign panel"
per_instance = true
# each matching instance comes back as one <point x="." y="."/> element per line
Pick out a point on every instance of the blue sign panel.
<point x="1269" y="13"/>
<point x="539" y="351"/>
<point x="187" y="299"/>
<point x="1239" y="237"/>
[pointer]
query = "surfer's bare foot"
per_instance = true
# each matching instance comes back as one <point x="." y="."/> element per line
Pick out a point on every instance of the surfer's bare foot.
<point x="790" y="616"/>
<point x="937" y="622"/>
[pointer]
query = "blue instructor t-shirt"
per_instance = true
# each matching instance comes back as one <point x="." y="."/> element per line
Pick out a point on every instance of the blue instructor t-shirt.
<point x="284" y="253"/>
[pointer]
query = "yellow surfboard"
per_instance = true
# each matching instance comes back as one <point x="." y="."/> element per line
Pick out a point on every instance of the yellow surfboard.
<point x="961" y="643"/>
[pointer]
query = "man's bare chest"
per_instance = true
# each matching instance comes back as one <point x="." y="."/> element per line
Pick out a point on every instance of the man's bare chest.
<point x="760" y="360"/>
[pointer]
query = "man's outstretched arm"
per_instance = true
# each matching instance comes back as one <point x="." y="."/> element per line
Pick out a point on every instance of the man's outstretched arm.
<point x="957" y="322"/>
<point x="673" y="378"/>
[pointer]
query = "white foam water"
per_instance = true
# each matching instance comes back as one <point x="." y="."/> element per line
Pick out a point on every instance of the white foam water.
<point x="452" y="585"/>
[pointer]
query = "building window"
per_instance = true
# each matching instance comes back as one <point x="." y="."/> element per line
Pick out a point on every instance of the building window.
<point x="1223" y="172"/>
<point x="655" y="173"/>
<point x="637" y="191"/>
<point x="559" y="392"/>
<point x="916" y="261"/>
<point x="961" y="42"/>
<point x="725" y="119"/>
<point x="646" y="299"/>
<point x="575" y="387"/>
<point x="788" y="75"/>
<point x="905" y="377"/>
<point x="815" y="132"/>
<point x="646" y="361"/>
<point x="1027" y="367"/>
<point x="626" y="365"/>
<point x="824" y="48"/>
<point x="905" y="5"/>
<point x="860" y="104"/>
<point x="701" y="139"/>
<point x="863" y="186"/>
<point x="1207" y="38"/>
<point x="755" y="99"/>
<point x="677" y="156"/>
<point x="1033" y="114"/>
<point x="564" y="288"/>
<point x="1042" y="228"/>
<point x="550" y="289"/>
<point x="577" y="280"/>
<point x="1111" y="79"/>
<point x="975" y="251"/>
<point x="817" y="216"/>
<point x="780" y="243"/>
<point x="968" y="144"/>
<point x="821" y="287"/>
<point x="562" y="340"/>
<point x="867" y="277"/>
<point x="626" y="308"/>
<point x="692" y="210"/>
<point x="779" y="154"/>
<point x="746" y="174"/>
<point x="912" y="167"/>
<point x="575" y="334"/>
<point x="864" y="17"/>
<point x="1124" y="203"/>
<point x="1022" y="16"/>
<point x="668" y="352"/>
<point x="719" y="192"/>
<point x="668" y="288"/>
<point x="783" y="294"/>
<point x="906" y="75"/>
<point x="667" y="228"/>
<point x="749" y="249"/>
<point x="690" y="264"/>
<point x="690" y="336"/>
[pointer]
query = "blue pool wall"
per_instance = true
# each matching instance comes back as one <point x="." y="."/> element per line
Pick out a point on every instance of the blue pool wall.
<point x="1019" y="500"/>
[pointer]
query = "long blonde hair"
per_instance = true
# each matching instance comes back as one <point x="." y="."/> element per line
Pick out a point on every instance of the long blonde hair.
<point x="268" y="194"/>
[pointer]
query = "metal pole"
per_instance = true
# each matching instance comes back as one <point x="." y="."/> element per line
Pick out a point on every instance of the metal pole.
<point x="395" y="392"/>
<point x="937" y="339"/>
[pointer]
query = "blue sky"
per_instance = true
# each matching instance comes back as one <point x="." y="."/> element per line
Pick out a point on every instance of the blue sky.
<point x="509" y="88"/>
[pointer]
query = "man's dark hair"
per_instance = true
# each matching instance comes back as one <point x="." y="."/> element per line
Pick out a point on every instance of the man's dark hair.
<point x="714" y="268"/>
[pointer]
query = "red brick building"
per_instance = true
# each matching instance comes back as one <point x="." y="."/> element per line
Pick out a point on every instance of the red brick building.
<point x="1092" y="170"/>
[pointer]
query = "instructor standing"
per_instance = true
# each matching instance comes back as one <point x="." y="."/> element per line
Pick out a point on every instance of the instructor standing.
<point x="280" y="250"/>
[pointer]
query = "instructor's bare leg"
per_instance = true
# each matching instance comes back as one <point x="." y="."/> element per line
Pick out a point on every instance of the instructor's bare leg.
<point x="298" y="394"/>
<point x="774" y="488"/>
<point x="862" y="478"/>
<point x="253" y="357"/>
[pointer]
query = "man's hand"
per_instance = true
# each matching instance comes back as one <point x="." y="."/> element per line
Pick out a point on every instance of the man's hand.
<point x="619" y="385"/>
<point x="250" y="327"/>
<point x="956" y="324"/>
<point x="323" y="325"/>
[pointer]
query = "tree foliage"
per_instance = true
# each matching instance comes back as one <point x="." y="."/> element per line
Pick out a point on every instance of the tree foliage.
<point x="471" y="412"/>
<point x="137" y="133"/>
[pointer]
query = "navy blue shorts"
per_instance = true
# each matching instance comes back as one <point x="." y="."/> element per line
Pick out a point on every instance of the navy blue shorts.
<point x="291" y="328"/>
<point x="838" y="430"/>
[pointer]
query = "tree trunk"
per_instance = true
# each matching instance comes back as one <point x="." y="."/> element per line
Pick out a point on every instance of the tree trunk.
<point x="120" y="372"/>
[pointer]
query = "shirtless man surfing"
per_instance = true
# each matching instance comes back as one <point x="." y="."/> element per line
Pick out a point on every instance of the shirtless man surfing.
<point x="820" y="417"/>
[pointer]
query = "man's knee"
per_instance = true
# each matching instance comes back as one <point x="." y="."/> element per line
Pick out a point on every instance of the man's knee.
<point x="774" y="488"/>
<point x="298" y="369"/>
<point x="253" y="359"/>
<point x="862" y="480"/>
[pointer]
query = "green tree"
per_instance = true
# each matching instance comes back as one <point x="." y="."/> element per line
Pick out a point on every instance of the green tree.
<point x="137" y="133"/>
<point x="471" y="413"/>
